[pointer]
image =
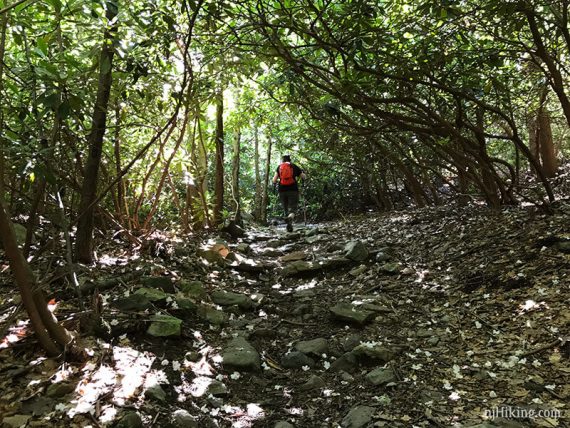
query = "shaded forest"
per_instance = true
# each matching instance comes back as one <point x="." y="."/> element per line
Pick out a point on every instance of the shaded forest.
<point x="146" y="274"/>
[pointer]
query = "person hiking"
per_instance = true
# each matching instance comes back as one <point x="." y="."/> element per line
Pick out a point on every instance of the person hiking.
<point x="287" y="174"/>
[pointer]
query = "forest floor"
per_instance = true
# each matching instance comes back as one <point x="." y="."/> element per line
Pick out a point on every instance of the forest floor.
<point x="434" y="317"/>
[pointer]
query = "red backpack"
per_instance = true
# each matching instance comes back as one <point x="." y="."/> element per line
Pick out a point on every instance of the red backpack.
<point x="286" y="174"/>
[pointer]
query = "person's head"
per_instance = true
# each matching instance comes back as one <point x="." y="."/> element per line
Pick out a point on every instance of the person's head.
<point x="286" y="158"/>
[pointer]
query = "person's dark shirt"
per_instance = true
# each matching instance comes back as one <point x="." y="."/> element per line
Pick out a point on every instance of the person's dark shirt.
<point x="292" y="187"/>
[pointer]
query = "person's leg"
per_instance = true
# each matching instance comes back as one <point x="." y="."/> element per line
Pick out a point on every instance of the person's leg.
<point x="284" y="202"/>
<point x="292" y="202"/>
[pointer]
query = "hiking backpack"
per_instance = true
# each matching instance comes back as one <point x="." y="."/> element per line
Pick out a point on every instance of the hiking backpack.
<point x="286" y="174"/>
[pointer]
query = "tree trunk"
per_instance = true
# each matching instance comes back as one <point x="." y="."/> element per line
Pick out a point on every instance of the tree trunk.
<point x="219" y="137"/>
<point x="258" y="188"/>
<point x="235" y="176"/>
<point x="264" y="196"/>
<point x="3" y="28"/>
<point x="43" y="327"/>
<point x="84" y="238"/>
<point x="546" y="144"/>
<point x="122" y="209"/>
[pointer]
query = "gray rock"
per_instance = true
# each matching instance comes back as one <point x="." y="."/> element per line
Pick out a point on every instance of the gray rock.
<point x="350" y="313"/>
<point x="130" y="420"/>
<point x="239" y="354"/>
<point x="350" y="342"/>
<point x="346" y="363"/>
<point x="210" y="255"/>
<point x="300" y="267"/>
<point x="134" y="302"/>
<point x="212" y="315"/>
<point x="182" y="419"/>
<point x="296" y="360"/>
<point x="156" y="393"/>
<point x="376" y="308"/>
<point x="16" y="421"/>
<point x="152" y="294"/>
<point x="270" y="252"/>
<point x="314" y="382"/>
<point x="217" y="389"/>
<point x="335" y="262"/>
<point x="20" y="232"/>
<point x="358" y="270"/>
<point x="193" y="356"/>
<point x="293" y="257"/>
<point x="193" y="289"/>
<point x="158" y="282"/>
<point x="317" y="346"/>
<point x="563" y="246"/>
<point x="58" y="390"/>
<point x="186" y="306"/>
<point x="356" y="251"/>
<point x="381" y="376"/>
<point x="243" y="248"/>
<point x="164" y="326"/>
<point x="226" y="298"/>
<point x="382" y="257"/>
<point x="358" y="417"/>
<point x="283" y="424"/>
<point x="274" y="243"/>
<point x="374" y="352"/>
<point x="391" y="268"/>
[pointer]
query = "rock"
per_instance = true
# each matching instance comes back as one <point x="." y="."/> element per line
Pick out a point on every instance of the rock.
<point x="194" y="289"/>
<point x="358" y="271"/>
<point x="164" y="326"/>
<point x="374" y="352"/>
<point x="274" y="243"/>
<point x="226" y="298"/>
<point x="270" y="252"/>
<point x="130" y="420"/>
<point x="217" y="389"/>
<point x="239" y="354"/>
<point x="350" y="342"/>
<point x="313" y="239"/>
<point x="358" y="416"/>
<point x="391" y="268"/>
<point x="294" y="256"/>
<point x="152" y="294"/>
<point x="376" y="308"/>
<point x="156" y="393"/>
<point x="302" y="309"/>
<point x="408" y="271"/>
<point x="193" y="356"/>
<point x="250" y="266"/>
<point x="283" y="424"/>
<point x="312" y="232"/>
<point x="347" y="363"/>
<point x="350" y="313"/>
<point x="381" y="376"/>
<point x="183" y="419"/>
<point x="382" y="257"/>
<point x="296" y="360"/>
<point x="347" y="377"/>
<point x="335" y="262"/>
<point x="299" y="267"/>
<point x="243" y="248"/>
<point x="211" y="256"/>
<point x="134" y="302"/>
<point x="17" y="421"/>
<point x="235" y="230"/>
<point x="316" y="347"/>
<point x="356" y="251"/>
<point x="314" y="382"/>
<point x="158" y="282"/>
<point x="186" y="306"/>
<point x="58" y="390"/>
<point x="212" y="315"/>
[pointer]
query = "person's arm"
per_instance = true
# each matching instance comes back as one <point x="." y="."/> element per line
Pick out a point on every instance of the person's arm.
<point x="275" y="178"/>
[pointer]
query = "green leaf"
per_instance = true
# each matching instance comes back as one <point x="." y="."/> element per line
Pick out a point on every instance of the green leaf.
<point x="56" y="4"/>
<point x="42" y="45"/>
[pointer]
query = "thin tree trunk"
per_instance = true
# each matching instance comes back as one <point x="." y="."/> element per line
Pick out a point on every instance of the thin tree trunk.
<point x="264" y="197"/>
<point x="235" y="176"/>
<point x="258" y="188"/>
<point x="84" y="238"/>
<point x="26" y="282"/>
<point x="121" y="201"/>
<point x="219" y="137"/>
<point x="3" y="28"/>
<point x="546" y="143"/>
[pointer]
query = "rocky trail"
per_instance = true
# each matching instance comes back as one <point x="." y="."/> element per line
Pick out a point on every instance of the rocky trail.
<point x="435" y="317"/>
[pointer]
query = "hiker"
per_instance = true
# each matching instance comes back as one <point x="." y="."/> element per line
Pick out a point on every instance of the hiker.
<point x="287" y="174"/>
